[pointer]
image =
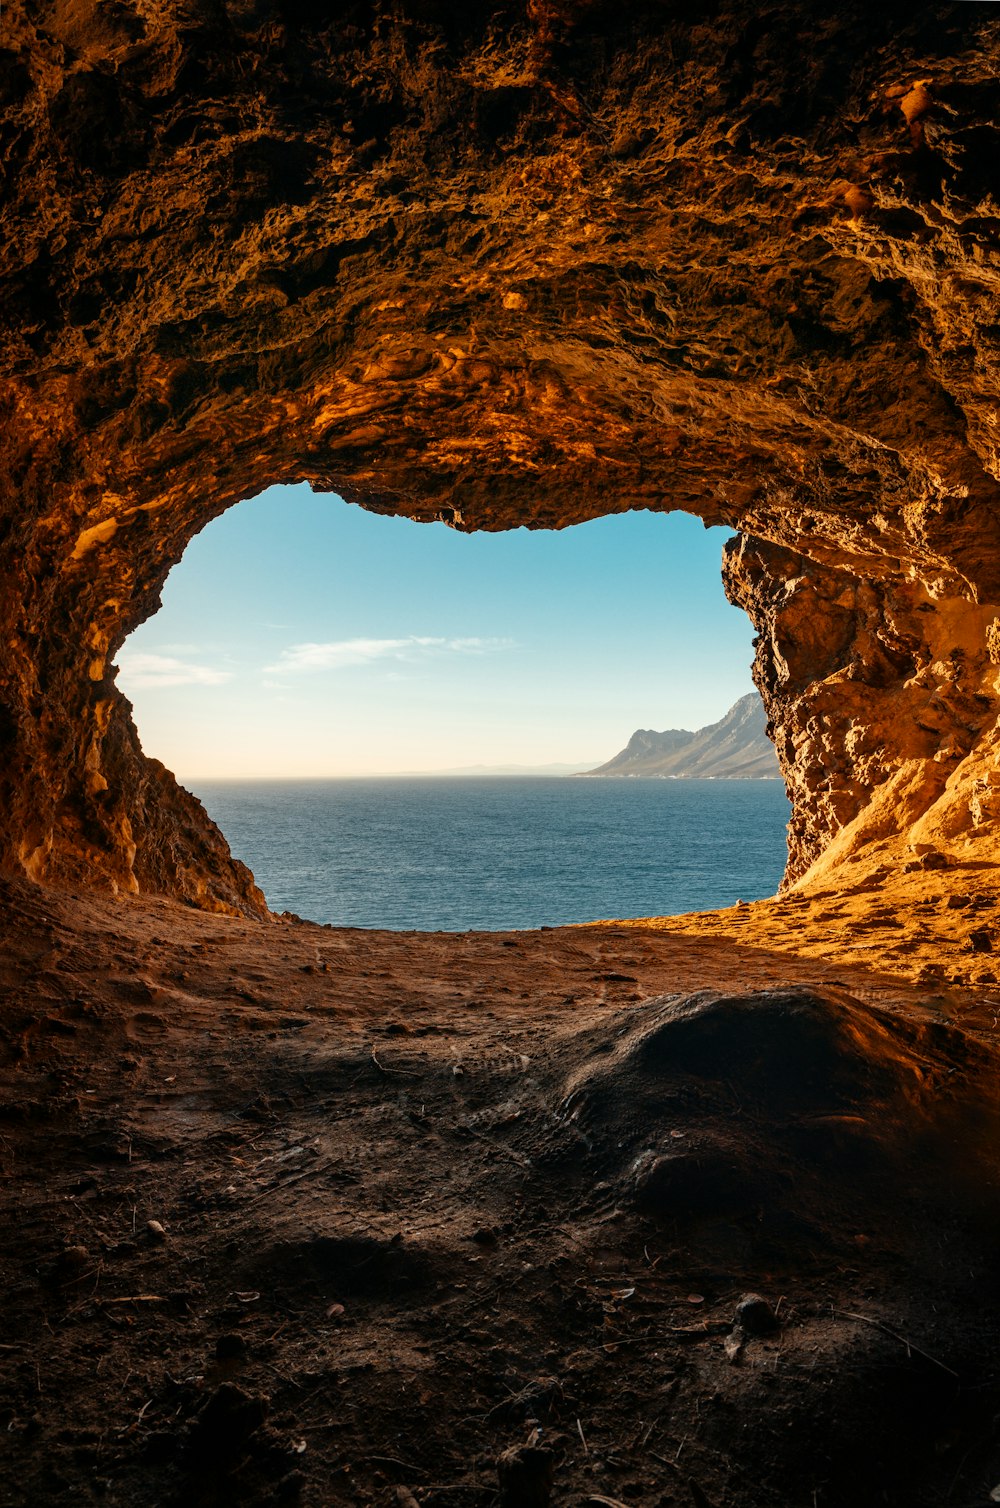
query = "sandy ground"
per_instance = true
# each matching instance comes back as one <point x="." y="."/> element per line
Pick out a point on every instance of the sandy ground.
<point x="304" y="1215"/>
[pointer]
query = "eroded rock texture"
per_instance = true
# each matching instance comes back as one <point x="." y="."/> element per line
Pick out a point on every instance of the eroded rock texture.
<point x="508" y="264"/>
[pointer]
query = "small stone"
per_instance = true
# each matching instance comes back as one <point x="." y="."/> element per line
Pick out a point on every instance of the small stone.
<point x="155" y="1230"/>
<point x="958" y="902"/>
<point x="73" y="1258"/>
<point x="934" y="860"/>
<point x="525" y="1474"/>
<point x="755" y="1316"/>
<point x="484" y="1236"/>
<point x="981" y="940"/>
<point x="733" y="1345"/>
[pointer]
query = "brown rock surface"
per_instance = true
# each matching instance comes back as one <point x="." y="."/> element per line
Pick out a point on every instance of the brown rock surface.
<point x="295" y="1214"/>
<point x="516" y="264"/>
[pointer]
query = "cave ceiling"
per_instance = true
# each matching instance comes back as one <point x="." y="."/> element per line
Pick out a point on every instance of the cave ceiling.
<point x="507" y="265"/>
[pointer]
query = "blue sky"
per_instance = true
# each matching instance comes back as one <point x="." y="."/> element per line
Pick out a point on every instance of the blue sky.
<point x="300" y="636"/>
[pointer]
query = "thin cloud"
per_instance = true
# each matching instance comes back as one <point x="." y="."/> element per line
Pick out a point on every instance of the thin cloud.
<point x="337" y="654"/>
<point x="141" y="671"/>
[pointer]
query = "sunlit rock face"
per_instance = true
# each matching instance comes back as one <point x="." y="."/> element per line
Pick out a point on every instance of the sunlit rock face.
<point x="519" y="264"/>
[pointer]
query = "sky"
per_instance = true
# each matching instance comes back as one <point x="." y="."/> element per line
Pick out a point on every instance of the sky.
<point x="303" y="637"/>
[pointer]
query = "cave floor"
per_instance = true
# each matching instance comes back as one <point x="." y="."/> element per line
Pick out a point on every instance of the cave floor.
<point x="296" y="1214"/>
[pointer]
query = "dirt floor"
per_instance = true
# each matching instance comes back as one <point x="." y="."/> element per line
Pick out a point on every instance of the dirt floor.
<point x="704" y="1212"/>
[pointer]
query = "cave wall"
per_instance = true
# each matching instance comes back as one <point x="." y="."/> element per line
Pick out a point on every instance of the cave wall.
<point x="506" y="264"/>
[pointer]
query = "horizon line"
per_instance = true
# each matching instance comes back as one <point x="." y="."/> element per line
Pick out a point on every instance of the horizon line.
<point x="558" y="768"/>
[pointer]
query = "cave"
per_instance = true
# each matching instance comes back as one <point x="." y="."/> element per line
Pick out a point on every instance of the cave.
<point x="700" y="1211"/>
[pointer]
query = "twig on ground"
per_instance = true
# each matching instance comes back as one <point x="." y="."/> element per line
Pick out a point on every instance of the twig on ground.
<point x="395" y="1461"/>
<point x="136" y="1298"/>
<point x="403" y="1072"/>
<point x="877" y="1324"/>
<point x="672" y="1465"/>
<point x="285" y="1183"/>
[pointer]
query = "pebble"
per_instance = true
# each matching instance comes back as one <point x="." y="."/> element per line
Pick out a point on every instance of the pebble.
<point x="155" y="1230"/>
<point x="754" y="1315"/>
<point x="72" y="1262"/>
<point x="933" y="860"/>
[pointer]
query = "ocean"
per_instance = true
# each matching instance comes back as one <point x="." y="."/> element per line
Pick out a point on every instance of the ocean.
<point x="447" y="854"/>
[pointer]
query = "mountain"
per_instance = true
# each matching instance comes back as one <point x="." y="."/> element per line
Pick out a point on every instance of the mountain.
<point x="735" y="748"/>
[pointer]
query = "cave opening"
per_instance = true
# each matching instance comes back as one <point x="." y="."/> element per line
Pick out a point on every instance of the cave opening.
<point x="390" y="721"/>
<point x="695" y="1210"/>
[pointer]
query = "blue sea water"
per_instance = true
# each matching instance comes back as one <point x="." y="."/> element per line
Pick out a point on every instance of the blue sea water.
<point x="447" y="854"/>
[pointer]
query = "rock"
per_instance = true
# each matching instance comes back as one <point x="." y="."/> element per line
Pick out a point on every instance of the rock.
<point x="525" y="1474"/>
<point x="841" y="423"/>
<point x="755" y="1316"/>
<point x="72" y="1263"/>
<point x="934" y="860"/>
<point x="155" y="1231"/>
<point x="733" y="1345"/>
<point x="981" y="940"/>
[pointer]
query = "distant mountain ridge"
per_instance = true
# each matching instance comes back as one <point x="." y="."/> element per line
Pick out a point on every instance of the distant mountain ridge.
<point x="735" y="748"/>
